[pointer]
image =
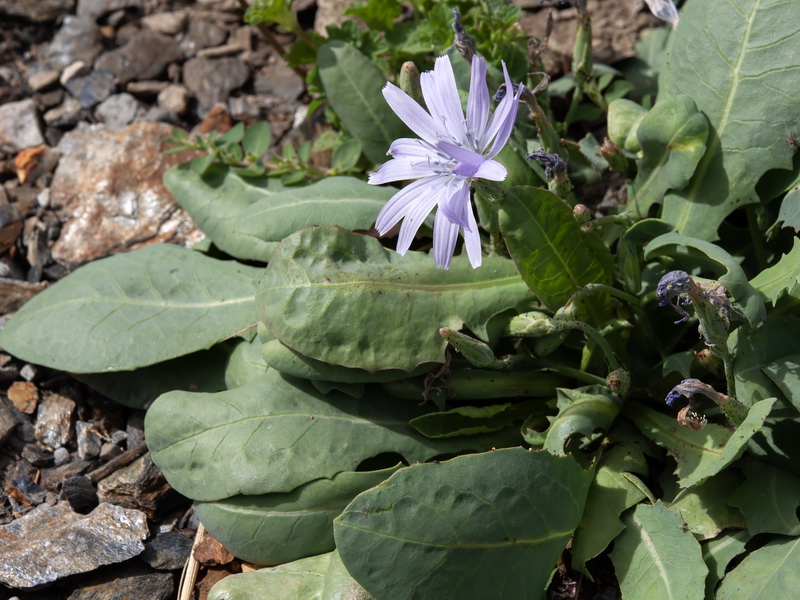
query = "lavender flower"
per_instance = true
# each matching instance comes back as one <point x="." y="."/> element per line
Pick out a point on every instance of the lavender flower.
<point x="453" y="151"/>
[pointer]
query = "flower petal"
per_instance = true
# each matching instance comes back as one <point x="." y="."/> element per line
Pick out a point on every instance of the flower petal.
<point x="472" y="241"/>
<point x="401" y="203"/>
<point x="441" y="97"/>
<point x="502" y="121"/>
<point x="403" y="147"/>
<point x="417" y="211"/>
<point x="411" y="113"/>
<point x="455" y="203"/>
<point x="400" y="169"/>
<point x="489" y="169"/>
<point x="478" y="102"/>
<point x="445" y="234"/>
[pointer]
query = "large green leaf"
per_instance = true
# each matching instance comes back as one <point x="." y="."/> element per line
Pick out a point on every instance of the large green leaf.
<point x="345" y="201"/>
<point x="655" y="557"/>
<point x="276" y="434"/>
<point x="553" y="255"/>
<point x="324" y="280"/>
<point x="782" y="276"/>
<point x="353" y="86"/>
<point x="132" y="310"/>
<point x="277" y="528"/>
<point x="719" y="552"/>
<point x="705" y="509"/>
<point x="769" y="498"/>
<point x="481" y="526"/>
<point x="214" y="200"/>
<point x="673" y="140"/>
<point x="244" y="365"/>
<point x="768" y="573"/>
<point x="732" y="275"/>
<point x="699" y="454"/>
<point x="737" y="59"/>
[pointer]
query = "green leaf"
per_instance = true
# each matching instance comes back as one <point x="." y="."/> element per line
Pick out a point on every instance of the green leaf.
<point x="244" y="365"/>
<point x="276" y="434"/>
<point x="271" y="12"/>
<point x="553" y="255"/>
<point x="583" y="416"/>
<point x="377" y="14"/>
<point x="133" y="310"/>
<point x="480" y="526"/>
<point x="353" y="86"/>
<point x="737" y="61"/>
<point x="257" y="139"/>
<point x="344" y="201"/>
<point x="768" y="573"/>
<point x="673" y="140"/>
<point x="346" y="155"/>
<point x="233" y="136"/>
<point x="778" y="441"/>
<point x="290" y="362"/>
<point x="789" y="213"/>
<point x="198" y="372"/>
<point x="732" y="275"/>
<point x="769" y="498"/>
<point x="719" y="552"/>
<point x="280" y="528"/>
<point x="610" y="494"/>
<point x="655" y="557"/>
<point x="785" y="373"/>
<point x="322" y="280"/>
<point x="215" y="200"/>
<point x="468" y="420"/>
<point x="699" y="454"/>
<point x="783" y="276"/>
<point x="705" y="509"/>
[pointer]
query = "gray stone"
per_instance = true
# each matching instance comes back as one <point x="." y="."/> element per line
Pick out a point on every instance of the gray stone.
<point x="169" y="23"/>
<point x="41" y="80"/>
<point x="174" y="97"/>
<point x="36" y="10"/>
<point x="156" y="114"/>
<point x="145" y="56"/>
<point x="89" y="441"/>
<point x="52" y="542"/>
<point x="78" y="39"/>
<point x="19" y="126"/>
<point x="98" y="8"/>
<point x="202" y="33"/>
<point x="54" y="419"/>
<point x="60" y="457"/>
<point x="7" y="424"/>
<point x="132" y="581"/>
<point x="167" y="551"/>
<point x="276" y="79"/>
<point x="140" y="485"/>
<point x="92" y="89"/>
<point x="108" y="188"/>
<point x="211" y="80"/>
<point x="119" y="110"/>
<point x="66" y="115"/>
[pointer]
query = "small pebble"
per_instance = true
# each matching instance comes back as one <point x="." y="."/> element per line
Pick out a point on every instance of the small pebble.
<point x="77" y="68"/>
<point x="60" y="456"/>
<point x="42" y="79"/>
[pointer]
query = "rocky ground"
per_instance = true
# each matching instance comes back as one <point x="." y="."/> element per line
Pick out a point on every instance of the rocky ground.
<point x="89" y="91"/>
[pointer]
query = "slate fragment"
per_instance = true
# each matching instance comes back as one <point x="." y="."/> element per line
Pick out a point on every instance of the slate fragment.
<point x="52" y="542"/>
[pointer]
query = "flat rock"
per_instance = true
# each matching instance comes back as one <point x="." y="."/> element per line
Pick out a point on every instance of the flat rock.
<point x="7" y="423"/>
<point x="202" y="33"/>
<point x="15" y="292"/>
<point x="119" y="110"/>
<point x="11" y="224"/>
<point x="19" y="126"/>
<point x="98" y="8"/>
<point x="167" y="551"/>
<point x="133" y="581"/>
<point x="92" y="89"/>
<point x="140" y="485"/>
<point x="211" y="80"/>
<point x="41" y="80"/>
<point x="54" y="419"/>
<point x="52" y="542"/>
<point x="276" y="79"/>
<point x="78" y="39"/>
<point x="66" y="114"/>
<point x="108" y="186"/>
<point x="145" y="56"/>
<point x="169" y="23"/>
<point x="36" y="10"/>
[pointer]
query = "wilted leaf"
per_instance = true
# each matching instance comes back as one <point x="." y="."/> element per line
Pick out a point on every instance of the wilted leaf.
<point x="275" y="434"/>
<point x="655" y="557"/>
<point x="469" y="420"/>
<point x="699" y="454"/>
<point x="769" y="498"/>
<point x="479" y="526"/>
<point x="133" y="310"/>
<point x="280" y="528"/>
<point x="737" y="61"/>
<point x="553" y="255"/>
<point x="323" y="280"/>
<point x="768" y="573"/>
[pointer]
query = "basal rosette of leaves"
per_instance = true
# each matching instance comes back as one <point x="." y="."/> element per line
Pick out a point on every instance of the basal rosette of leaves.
<point x="379" y="427"/>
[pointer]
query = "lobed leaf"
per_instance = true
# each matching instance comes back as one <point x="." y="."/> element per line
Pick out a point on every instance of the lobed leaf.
<point x="280" y="528"/>
<point x="783" y="276"/>
<point x="699" y="454"/>
<point x="768" y="498"/>
<point x="736" y="59"/>
<point x="480" y="526"/>
<point x="655" y="557"/>
<point x="552" y="254"/>
<point x="323" y="280"/>
<point x="276" y="434"/>
<point x="133" y="310"/>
